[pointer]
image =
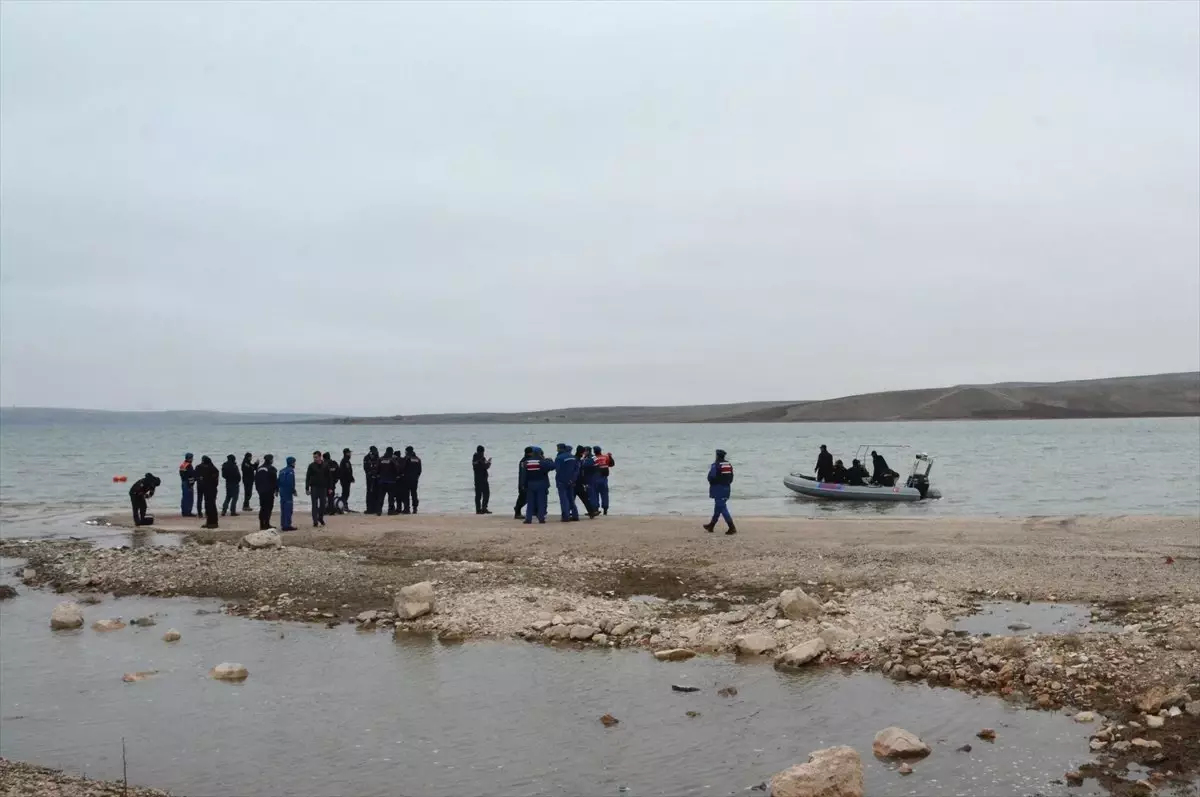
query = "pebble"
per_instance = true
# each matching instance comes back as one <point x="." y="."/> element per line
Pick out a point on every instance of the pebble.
<point x="172" y="635"/>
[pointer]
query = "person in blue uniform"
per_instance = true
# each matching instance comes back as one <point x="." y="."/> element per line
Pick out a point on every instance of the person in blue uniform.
<point x="266" y="484"/>
<point x="287" y="492"/>
<point x="720" y="477"/>
<point x="232" y="475"/>
<point x="600" y="480"/>
<point x="581" y="489"/>
<point x="566" y="473"/>
<point x="187" y="483"/>
<point x="537" y="485"/>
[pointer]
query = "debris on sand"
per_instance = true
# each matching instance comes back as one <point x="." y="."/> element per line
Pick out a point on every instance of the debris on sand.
<point x="608" y="720"/>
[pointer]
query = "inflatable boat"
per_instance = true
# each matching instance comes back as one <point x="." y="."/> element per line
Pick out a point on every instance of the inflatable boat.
<point x="915" y="488"/>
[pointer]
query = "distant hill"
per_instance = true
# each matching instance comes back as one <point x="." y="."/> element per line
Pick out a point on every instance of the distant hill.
<point x="52" y="416"/>
<point x="1167" y="395"/>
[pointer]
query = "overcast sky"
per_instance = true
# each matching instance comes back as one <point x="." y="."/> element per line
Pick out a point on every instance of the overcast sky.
<point x="405" y="207"/>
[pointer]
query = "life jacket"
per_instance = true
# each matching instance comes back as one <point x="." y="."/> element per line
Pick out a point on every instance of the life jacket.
<point x="534" y="472"/>
<point x="724" y="473"/>
<point x="603" y="462"/>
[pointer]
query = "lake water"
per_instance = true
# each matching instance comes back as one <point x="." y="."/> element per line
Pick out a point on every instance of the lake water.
<point x="339" y="711"/>
<point x="53" y="476"/>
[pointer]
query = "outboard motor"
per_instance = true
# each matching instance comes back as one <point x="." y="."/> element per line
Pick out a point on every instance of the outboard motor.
<point x="919" y="478"/>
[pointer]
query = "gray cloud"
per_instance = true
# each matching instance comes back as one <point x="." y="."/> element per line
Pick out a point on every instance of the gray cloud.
<point x="403" y="207"/>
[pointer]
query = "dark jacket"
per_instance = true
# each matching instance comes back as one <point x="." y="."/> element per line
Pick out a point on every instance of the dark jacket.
<point x="208" y="475"/>
<point x="187" y="473"/>
<point x="144" y="488"/>
<point x="412" y="468"/>
<point x="824" y="465"/>
<point x="316" y="477"/>
<point x="230" y="472"/>
<point x="480" y="465"/>
<point x="371" y="466"/>
<point x="387" y="469"/>
<point x="720" y="477"/>
<point x="856" y="475"/>
<point x="331" y="473"/>
<point x="346" y="471"/>
<point x="248" y="470"/>
<point x="266" y="479"/>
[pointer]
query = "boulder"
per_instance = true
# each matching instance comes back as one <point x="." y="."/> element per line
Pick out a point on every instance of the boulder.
<point x="799" y="655"/>
<point x="934" y="624"/>
<point x="674" y="654"/>
<point x="112" y="624"/>
<point x="411" y="610"/>
<point x="582" y="633"/>
<point x="260" y="540"/>
<point x="540" y="625"/>
<point x="142" y="621"/>
<point x="621" y="629"/>
<point x="1157" y="697"/>
<point x="7" y="592"/>
<point x="66" y="615"/>
<point x="600" y="639"/>
<point x="421" y="592"/>
<point x="228" y="671"/>
<point x="833" y="772"/>
<point x="782" y="624"/>
<point x="796" y="605"/>
<point x="755" y="644"/>
<point x="172" y="635"/>
<point x="368" y="616"/>
<point x="899" y="743"/>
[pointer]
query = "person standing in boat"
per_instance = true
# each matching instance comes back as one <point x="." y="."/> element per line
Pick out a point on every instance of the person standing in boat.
<point x="881" y="474"/>
<point x="824" y="465"/>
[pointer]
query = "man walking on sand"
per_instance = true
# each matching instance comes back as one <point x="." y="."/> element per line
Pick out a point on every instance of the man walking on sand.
<point x="479" y="467"/>
<point x="720" y="477"/>
<point x="316" y="485"/>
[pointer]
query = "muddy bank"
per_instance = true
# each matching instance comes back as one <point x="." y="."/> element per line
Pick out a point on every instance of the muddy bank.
<point x="25" y="780"/>
<point x="877" y="595"/>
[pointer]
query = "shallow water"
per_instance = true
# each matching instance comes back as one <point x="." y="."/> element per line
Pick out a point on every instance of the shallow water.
<point x="51" y="478"/>
<point x="339" y="711"/>
<point x="1005" y="618"/>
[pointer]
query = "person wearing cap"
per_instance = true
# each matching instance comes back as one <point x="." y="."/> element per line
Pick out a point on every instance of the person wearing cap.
<point x="720" y="477"/>
<point x="480" y="463"/>
<point x="187" y="481"/>
<point x="139" y="493"/>
<point x="600" y="480"/>
<point x="233" y="481"/>
<point x="587" y="467"/>
<point x="316" y="487"/>
<point x="522" y="485"/>
<point x="345" y="478"/>
<point x="537" y="485"/>
<point x="249" y="468"/>
<point x="209" y="478"/>
<point x="370" y="465"/>
<point x="266" y="484"/>
<point x="566" y="473"/>
<point x="410" y="479"/>
<point x="387" y="483"/>
<point x="287" y="492"/>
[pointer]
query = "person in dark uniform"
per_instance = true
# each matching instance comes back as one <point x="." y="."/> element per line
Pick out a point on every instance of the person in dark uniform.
<point x="483" y="492"/>
<point x="316" y="487"/>
<point x="838" y="476"/>
<point x="412" y="478"/>
<point x="232" y="475"/>
<point x="209" y="478"/>
<point x="582" y="456"/>
<point x="720" y="477"/>
<point x="248" y="470"/>
<point x="882" y="474"/>
<point x="387" y="482"/>
<point x="287" y="492"/>
<point x="522" y="489"/>
<point x="187" y="482"/>
<point x="566" y="475"/>
<point x="401" y="488"/>
<point x="856" y="474"/>
<point x="824" y="465"/>
<point x="331" y="481"/>
<point x="345" y="478"/>
<point x="266" y="484"/>
<point x="141" y="491"/>
<point x="371" y="475"/>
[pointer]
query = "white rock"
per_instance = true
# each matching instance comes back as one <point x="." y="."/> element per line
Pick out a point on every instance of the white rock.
<point x="833" y="772"/>
<point x="368" y="616"/>
<point x="540" y="625"/>
<point x="112" y="624"/>
<point x="228" y="671"/>
<point x="28" y="574"/>
<point x="799" y="655"/>
<point x="172" y="635"/>
<point x="782" y="624"/>
<point x="899" y="743"/>
<point x="1146" y="744"/>
<point x="1174" y="711"/>
<point x="66" y="615"/>
<point x="674" y="654"/>
<point x="835" y="635"/>
<point x="600" y="639"/>
<point x="797" y="605"/>
<point x="1153" y="721"/>
<point x="421" y="592"/>
<point x="1085" y="716"/>
<point x="621" y="629"/>
<point x="755" y="644"/>
<point x="1193" y="708"/>
<point x="411" y="610"/>
<point x="261" y="540"/>
<point x="582" y="632"/>
<point x="934" y="624"/>
<point x="557" y="632"/>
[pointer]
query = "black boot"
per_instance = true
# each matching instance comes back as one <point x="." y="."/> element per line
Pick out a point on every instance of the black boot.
<point x="732" y="529"/>
<point x="709" y="526"/>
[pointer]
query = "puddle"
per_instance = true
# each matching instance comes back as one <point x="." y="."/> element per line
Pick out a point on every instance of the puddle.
<point x="1009" y="618"/>
<point x="328" y="711"/>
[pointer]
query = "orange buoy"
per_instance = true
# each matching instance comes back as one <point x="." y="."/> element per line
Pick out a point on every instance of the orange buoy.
<point x="120" y="478"/>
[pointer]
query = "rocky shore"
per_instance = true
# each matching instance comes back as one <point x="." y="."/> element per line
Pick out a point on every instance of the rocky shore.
<point x="1139" y="684"/>
<point x="24" y="780"/>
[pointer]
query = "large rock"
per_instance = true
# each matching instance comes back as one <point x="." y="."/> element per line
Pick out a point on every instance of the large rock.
<point x="259" y="540"/>
<point x="755" y="644"/>
<point x="1158" y="697"/>
<point x="558" y="632"/>
<point x="1193" y="708"/>
<point x="835" y="636"/>
<point x="899" y="743"/>
<point x="674" y="654"/>
<point x="7" y="592"/>
<point x="227" y="671"/>
<point x="834" y="772"/>
<point x="796" y="605"/>
<point x="112" y="624"/>
<point x="621" y="629"/>
<point x="582" y="632"/>
<point x="799" y="655"/>
<point x="66" y="615"/>
<point x="934" y="624"/>
<point x="415" y="600"/>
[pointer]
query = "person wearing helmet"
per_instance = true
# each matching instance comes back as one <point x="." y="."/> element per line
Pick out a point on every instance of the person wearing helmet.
<point x="287" y="492"/>
<point x="187" y="481"/>
<point x="720" y="477"/>
<point x="139" y="493"/>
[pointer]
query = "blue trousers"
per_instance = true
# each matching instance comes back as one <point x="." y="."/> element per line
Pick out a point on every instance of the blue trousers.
<point x="538" y="496"/>
<point x="721" y="510"/>
<point x="318" y="506"/>
<point x="285" y="512"/>
<point x="601" y="491"/>
<point x="189" y="497"/>
<point x="566" y="501"/>
<point x="231" y="497"/>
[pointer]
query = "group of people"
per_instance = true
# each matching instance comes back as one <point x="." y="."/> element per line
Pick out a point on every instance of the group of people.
<point x="580" y="475"/>
<point x="833" y="471"/>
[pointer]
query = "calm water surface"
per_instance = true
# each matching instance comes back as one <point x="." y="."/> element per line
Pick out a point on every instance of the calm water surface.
<point x="51" y="477"/>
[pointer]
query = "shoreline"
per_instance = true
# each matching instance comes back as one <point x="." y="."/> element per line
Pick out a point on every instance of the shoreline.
<point x="18" y="779"/>
<point x="885" y="593"/>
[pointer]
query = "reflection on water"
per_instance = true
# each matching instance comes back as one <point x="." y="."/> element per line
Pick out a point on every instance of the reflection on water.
<point x="335" y="711"/>
<point x="1011" y="618"/>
